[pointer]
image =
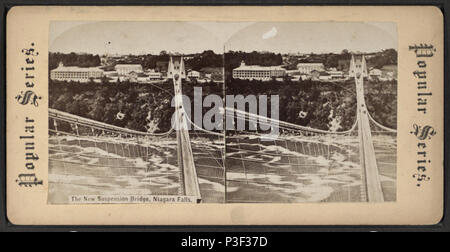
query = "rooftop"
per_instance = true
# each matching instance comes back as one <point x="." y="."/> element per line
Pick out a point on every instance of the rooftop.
<point x="129" y="65"/>
<point x="243" y="66"/>
<point x="310" y="64"/>
<point x="61" y="67"/>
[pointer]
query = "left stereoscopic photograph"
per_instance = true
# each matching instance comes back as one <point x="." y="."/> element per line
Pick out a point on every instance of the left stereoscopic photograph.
<point x="120" y="123"/>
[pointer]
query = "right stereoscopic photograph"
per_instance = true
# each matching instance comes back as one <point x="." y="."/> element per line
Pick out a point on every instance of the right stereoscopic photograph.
<point x="311" y="113"/>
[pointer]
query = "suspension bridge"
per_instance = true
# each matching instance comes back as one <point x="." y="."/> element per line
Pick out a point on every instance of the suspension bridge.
<point x="303" y="164"/>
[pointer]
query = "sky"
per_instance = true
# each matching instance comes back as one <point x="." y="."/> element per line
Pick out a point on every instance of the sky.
<point x="193" y="37"/>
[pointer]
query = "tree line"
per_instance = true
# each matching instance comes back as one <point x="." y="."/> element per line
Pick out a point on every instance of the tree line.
<point x="308" y="103"/>
<point x="320" y="104"/>
<point x="73" y="59"/>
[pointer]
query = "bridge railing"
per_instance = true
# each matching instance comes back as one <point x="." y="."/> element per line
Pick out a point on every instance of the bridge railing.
<point x="86" y="154"/>
<point x="302" y="164"/>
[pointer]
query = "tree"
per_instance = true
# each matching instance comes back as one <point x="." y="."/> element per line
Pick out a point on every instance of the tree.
<point x="73" y="59"/>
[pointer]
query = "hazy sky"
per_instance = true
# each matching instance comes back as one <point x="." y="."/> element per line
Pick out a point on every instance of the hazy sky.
<point x="193" y="37"/>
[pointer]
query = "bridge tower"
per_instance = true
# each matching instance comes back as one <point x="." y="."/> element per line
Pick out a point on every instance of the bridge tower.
<point x="189" y="184"/>
<point x="374" y="193"/>
<point x="176" y="66"/>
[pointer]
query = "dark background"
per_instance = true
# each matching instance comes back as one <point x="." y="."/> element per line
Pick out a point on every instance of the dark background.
<point x="275" y="234"/>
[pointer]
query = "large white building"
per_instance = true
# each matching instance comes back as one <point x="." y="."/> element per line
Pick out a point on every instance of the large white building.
<point x="125" y="69"/>
<point x="255" y="72"/>
<point x="74" y="73"/>
<point x="307" y="68"/>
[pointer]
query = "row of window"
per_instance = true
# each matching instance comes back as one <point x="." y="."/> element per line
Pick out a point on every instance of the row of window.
<point x="266" y="74"/>
<point x="77" y="75"/>
<point x="310" y="67"/>
<point x="93" y="73"/>
<point x="308" y="70"/>
<point x="244" y="73"/>
<point x="252" y="74"/>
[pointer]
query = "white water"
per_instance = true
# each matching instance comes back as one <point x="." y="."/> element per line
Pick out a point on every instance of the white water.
<point x="97" y="171"/>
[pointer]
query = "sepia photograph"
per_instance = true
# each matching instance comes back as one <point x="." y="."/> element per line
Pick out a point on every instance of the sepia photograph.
<point x="118" y="113"/>
<point x="178" y="112"/>
<point x="225" y="116"/>
<point x="334" y="117"/>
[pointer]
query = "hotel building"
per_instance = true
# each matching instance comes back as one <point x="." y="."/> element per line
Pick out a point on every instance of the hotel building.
<point x="257" y="72"/>
<point x="74" y="73"/>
